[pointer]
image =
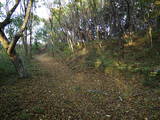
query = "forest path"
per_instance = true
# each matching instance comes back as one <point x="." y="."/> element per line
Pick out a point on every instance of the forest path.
<point x="77" y="95"/>
<point x="88" y="95"/>
<point x="56" y="92"/>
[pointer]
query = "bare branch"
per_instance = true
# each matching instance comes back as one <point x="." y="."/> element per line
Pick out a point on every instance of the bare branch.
<point x="22" y="28"/>
<point x="9" y="14"/>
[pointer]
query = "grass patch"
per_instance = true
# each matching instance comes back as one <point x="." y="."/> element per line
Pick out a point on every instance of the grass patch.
<point x="24" y="116"/>
<point x="38" y="110"/>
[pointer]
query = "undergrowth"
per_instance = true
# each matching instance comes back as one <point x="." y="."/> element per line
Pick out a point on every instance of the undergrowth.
<point x="8" y="73"/>
<point x="137" y="58"/>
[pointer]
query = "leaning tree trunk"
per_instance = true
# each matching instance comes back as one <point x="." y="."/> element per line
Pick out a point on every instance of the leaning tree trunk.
<point x="10" y="46"/>
<point x="14" y="57"/>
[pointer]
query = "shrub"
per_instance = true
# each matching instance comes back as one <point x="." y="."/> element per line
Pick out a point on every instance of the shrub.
<point x="153" y="79"/>
<point x="6" y="67"/>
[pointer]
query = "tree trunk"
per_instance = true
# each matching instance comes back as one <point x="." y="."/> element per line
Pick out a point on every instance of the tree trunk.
<point x="30" y="44"/>
<point x="150" y="35"/>
<point x="24" y="41"/>
<point x="70" y="44"/>
<point x="17" y="62"/>
<point x="10" y="46"/>
<point x="30" y="24"/>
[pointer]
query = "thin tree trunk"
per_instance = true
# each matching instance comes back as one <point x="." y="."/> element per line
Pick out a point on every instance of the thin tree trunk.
<point x="25" y="45"/>
<point x="31" y="32"/>
<point x="70" y="44"/>
<point x="30" y="46"/>
<point x="150" y="35"/>
<point x="30" y="42"/>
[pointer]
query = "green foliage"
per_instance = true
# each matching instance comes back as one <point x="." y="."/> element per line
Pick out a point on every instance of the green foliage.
<point x="152" y="79"/>
<point x="14" y="26"/>
<point x="140" y="63"/>
<point x="24" y="116"/>
<point x="142" y="70"/>
<point x="1" y="5"/>
<point x="91" y="58"/>
<point x="66" y="52"/>
<point x="36" y="47"/>
<point x="106" y="62"/>
<point x="96" y="59"/>
<point x="38" y="110"/>
<point x="6" y="67"/>
<point x="41" y="34"/>
<point x="17" y="21"/>
<point x="60" y="49"/>
<point x="155" y="35"/>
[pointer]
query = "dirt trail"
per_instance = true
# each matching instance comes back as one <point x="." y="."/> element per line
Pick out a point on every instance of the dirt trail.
<point x="53" y="67"/>
<point x="78" y="95"/>
<point x="63" y="74"/>
<point x="58" y="93"/>
<point x="91" y="95"/>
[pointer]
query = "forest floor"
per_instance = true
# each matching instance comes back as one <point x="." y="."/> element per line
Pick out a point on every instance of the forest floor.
<point x="56" y="92"/>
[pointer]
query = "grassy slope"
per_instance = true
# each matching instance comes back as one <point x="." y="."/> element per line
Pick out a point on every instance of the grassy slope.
<point x="135" y="59"/>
